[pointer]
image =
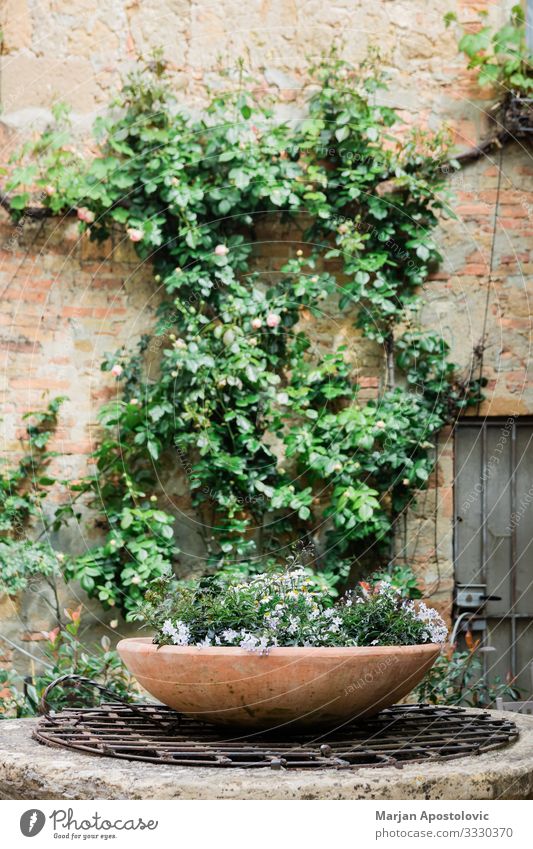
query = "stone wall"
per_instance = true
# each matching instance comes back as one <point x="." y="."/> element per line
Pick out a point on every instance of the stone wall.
<point x="65" y="302"/>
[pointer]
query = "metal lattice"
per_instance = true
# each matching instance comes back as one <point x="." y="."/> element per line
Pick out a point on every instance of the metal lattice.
<point x="157" y="734"/>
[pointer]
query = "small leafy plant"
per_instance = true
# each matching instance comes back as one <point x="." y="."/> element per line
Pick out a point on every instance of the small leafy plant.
<point x="65" y="654"/>
<point x="456" y="678"/>
<point x="23" y="560"/>
<point x="25" y="485"/>
<point x="283" y="609"/>
<point x="500" y="57"/>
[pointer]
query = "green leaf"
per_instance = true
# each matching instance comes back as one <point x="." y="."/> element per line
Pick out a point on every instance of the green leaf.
<point x="20" y="201"/>
<point x="342" y="133"/>
<point x="365" y="512"/>
<point x="488" y="74"/>
<point x="153" y="449"/>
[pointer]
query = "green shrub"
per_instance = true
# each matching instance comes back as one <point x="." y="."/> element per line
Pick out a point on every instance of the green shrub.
<point x="65" y="654"/>
<point x="501" y="57"/>
<point x="456" y="678"/>
<point x="23" y="560"/>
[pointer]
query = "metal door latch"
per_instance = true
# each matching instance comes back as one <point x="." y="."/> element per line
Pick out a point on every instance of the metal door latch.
<point x="473" y="596"/>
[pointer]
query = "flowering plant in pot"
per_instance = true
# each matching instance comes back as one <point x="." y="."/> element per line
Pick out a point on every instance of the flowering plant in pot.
<point x="269" y="651"/>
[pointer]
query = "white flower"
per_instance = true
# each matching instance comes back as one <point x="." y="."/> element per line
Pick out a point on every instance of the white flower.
<point x="335" y="626"/>
<point x="203" y="644"/>
<point x="436" y="630"/>
<point x="229" y="635"/>
<point x="179" y="633"/>
<point x="248" y="641"/>
<point x="293" y="625"/>
<point x="262" y="648"/>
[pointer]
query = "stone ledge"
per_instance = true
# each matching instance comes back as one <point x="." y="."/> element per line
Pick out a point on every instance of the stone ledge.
<point x="29" y="770"/>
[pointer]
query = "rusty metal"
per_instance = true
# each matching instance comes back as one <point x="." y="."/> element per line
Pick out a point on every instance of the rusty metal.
<point x="396" y="736"/>
<point x="517" y="116"/>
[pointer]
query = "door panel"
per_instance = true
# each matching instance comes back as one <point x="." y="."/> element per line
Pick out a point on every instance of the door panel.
<point x="498" y="542"/>
<point x="522" y="520"/>
<point x="493" y="541"/>
<point x="468" y="501"/>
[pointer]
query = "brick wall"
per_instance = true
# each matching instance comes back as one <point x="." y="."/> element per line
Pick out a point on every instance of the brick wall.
<point x="66" y="302"/>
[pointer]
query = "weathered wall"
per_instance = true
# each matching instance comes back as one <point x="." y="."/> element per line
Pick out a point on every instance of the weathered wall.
<point x="66" y="302"/>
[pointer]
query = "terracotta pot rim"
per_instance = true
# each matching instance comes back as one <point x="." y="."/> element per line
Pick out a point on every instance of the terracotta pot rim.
<point x="321" y="651"/>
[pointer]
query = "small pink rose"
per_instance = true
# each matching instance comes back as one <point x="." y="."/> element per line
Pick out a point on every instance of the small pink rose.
<point x="273" y="320"/>
<point x="116" y="371"/>
<point x="49" y="190"/>
<point x="85" y="214"/>
<point x="221" y="250"/>
<point x="256" y="323"/>
<point x="135" y="234"/>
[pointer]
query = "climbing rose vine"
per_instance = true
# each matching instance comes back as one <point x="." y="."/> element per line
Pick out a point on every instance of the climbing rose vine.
<point x="267" y="428"/>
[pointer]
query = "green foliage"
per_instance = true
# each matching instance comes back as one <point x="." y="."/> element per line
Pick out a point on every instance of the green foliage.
<point x="456" y="679"/>
<point x="23" y="487"/>
<point x="65" y="654"/>
<point x="402" y="578"/>
<point x="22" y="490"/>
<point x="238" y="373"/>
<point x="51" y="166"/>
<point x="22" y="560"/>
<point x="501" y="57"/>
<point x="283" y="609"/>
<point x="138" y="549"/>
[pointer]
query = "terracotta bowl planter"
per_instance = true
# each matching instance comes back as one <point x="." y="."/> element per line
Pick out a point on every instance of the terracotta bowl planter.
<point x="297" y="686"/>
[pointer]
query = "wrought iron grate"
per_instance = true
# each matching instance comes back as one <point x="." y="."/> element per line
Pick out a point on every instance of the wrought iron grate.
<point x="154" y="733"/>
